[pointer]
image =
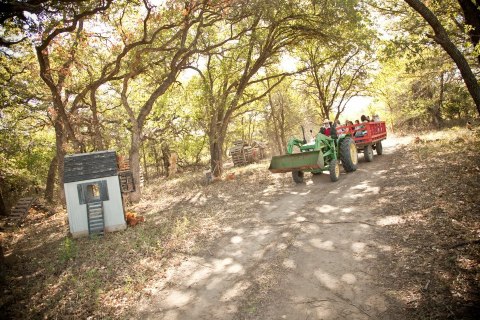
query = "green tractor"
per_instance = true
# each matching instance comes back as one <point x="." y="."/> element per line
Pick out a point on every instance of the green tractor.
<point x="323" y="154"/>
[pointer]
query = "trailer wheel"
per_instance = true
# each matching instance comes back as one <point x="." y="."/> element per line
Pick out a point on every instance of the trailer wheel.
<point x="379" y="148"/>
<point x="334" y="168"/>
<point x="298" y="176"/>
<point x="368" y="153"/>
<point x="348" y="155"/>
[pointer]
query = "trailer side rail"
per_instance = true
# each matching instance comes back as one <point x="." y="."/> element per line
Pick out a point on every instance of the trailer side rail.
<point x="366" y="132"/>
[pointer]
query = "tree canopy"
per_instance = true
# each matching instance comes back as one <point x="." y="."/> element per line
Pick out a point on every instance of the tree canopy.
<point x="133" y="76"/>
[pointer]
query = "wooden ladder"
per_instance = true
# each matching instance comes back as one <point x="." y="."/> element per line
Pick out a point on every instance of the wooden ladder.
<point x="96" y="221"/>
<point x="20" y="211"/>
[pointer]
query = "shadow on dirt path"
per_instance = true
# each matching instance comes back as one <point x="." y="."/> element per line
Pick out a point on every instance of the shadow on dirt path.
<point x="307" y="255"/>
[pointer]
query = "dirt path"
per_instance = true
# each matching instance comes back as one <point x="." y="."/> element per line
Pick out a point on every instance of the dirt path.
<point x="310" y="254"/>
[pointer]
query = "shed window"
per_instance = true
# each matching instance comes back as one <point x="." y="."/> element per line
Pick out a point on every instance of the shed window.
<point x="92" y="191"/>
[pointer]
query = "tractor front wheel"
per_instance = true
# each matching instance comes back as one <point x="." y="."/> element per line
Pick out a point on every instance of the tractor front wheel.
<point x="298" y="176"/>
<point x="368" y="153"/>
<point x="379" y="148"/>
<point x="348" y="155"/>
<point x="334" y="169"/>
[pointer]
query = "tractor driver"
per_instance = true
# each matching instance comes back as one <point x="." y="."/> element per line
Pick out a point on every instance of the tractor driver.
<point x="325" y="129"/>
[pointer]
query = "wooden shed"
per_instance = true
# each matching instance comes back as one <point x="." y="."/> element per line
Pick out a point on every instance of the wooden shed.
<point x="93" y="195"/>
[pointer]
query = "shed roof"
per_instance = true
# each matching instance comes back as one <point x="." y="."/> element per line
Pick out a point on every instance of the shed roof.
<point x="85" y="166"/>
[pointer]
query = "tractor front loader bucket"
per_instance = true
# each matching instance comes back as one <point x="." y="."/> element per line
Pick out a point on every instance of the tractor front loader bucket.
<point x="304" y="161"/>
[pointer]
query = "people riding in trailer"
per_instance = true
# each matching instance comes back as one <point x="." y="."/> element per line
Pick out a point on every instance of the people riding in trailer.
<point x="360" y="130"/>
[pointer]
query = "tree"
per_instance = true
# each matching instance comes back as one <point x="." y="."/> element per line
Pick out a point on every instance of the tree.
<point x="231" y="72"/>
<point x="335" y="76"/>
<point x="17" y="17"/>
<point x="471" y="13"/>
<point x="3" y="207"/>
<point x="339" y="64"/>
<point x="441" y="37"/>
<point x="282" y="114"/>
<point x="421" y="89"/>
<point x="50" y="183"/>
<point x="63" y="43"/>
<point x="158" y="65"/>
<point x="55" y="77"/>
<point x="232" y="75"/>
<point x="26" y="141"/>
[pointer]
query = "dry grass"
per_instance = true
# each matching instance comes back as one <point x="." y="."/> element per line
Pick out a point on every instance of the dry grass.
<point x="50" y="275"/>
<point x="435" y="265"/>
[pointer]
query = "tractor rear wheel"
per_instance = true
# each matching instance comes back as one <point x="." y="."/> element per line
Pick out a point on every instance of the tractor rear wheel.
<point x="334" y="169"/>
<point x="298" y="176"/>
<point x="379" y="148"/>
<point x="368" y="153"/>
<point x="348" y="155"/>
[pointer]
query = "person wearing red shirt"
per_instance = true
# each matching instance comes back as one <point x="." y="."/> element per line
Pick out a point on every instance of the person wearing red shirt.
<point x="326" y="126"/>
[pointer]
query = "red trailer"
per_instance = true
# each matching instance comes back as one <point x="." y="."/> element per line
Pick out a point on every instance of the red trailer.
<point x="368" y="136"/>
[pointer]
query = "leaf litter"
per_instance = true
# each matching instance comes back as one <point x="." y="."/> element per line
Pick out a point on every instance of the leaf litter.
<point x="433" y="268"/>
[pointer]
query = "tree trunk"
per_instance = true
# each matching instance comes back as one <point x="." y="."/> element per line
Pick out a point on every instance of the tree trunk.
<point x="50" y="185"/>
<point x="199" y="153"/>
<point x="390" y="109"/>
<point x="3" y="208"/>
<point x="277" y="137"/>
<point x="441" y="37"/>
<point x="251" y="130"/>
<point x="471" y="13"/>
<point x="216" y="137"/>
<point x="135" y="163"/>
<point x="157" y="160"/>
<point x="166" y="158"/>
<point x="326" y="107"/>
<point x="145" y="162"/>
<point x="283" y="139"/>
<point x="437" y="108"/>
<point x="276" y="134"/>
<point x="97" y="136"/>
<point x="279" y="127"/>
<point x="60" y="155"/>
<point x="3" y="266"/>
<point x="436" y="115"/>
<point x="216" y="157"/>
